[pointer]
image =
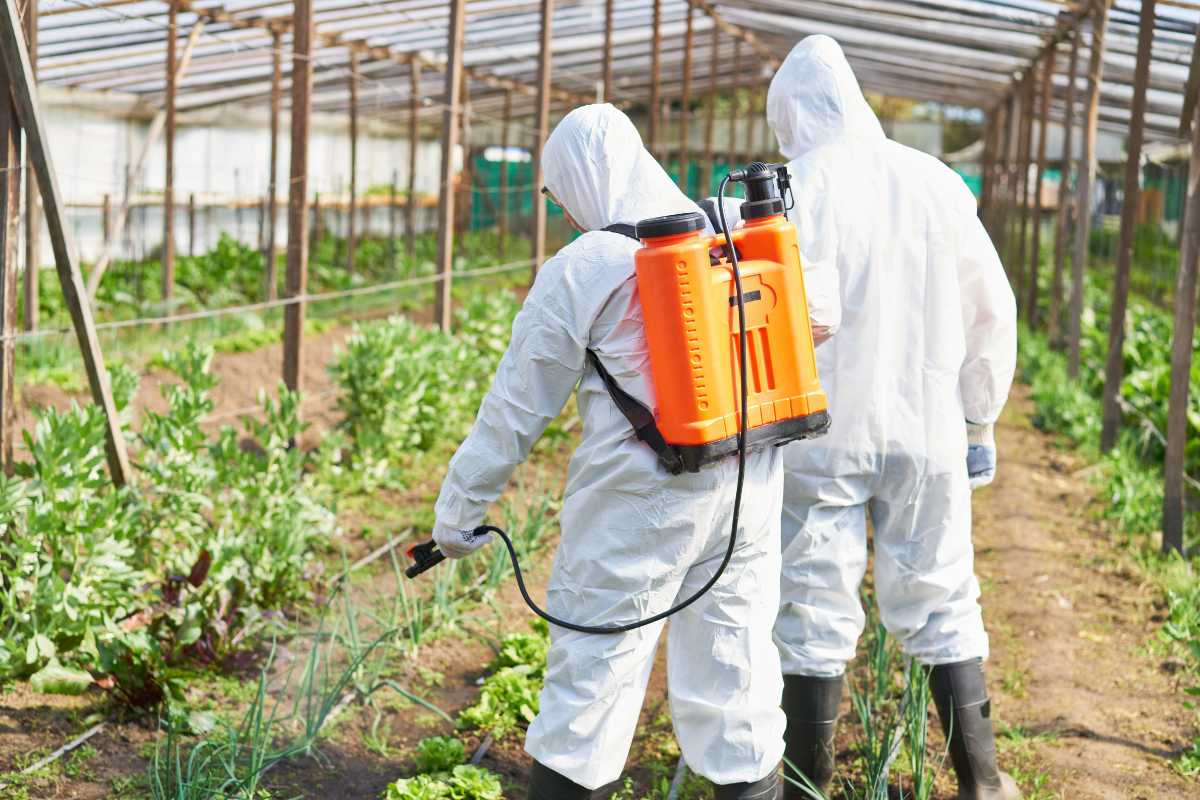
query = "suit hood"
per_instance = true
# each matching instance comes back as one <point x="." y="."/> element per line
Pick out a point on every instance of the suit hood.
<point x="815" y="99"/>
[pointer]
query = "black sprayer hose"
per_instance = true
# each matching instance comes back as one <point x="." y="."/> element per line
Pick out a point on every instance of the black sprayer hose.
<point x="737" y="497"/>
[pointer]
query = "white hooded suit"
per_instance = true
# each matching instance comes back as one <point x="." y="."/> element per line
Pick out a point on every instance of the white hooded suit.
<point x="904" y="273"/>
<point x="635" y="540"/>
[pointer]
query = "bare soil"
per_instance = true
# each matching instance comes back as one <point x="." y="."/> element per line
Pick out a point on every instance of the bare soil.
<point x="1098" y="714"/>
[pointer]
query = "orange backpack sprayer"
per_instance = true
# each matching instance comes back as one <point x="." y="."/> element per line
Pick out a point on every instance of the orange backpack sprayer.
<point x="731" y="352"/>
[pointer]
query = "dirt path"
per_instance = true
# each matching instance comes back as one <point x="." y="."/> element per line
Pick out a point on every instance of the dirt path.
<point x="1069" y="625"/>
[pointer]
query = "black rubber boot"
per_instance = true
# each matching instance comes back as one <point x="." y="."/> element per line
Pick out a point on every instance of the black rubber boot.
<point x="811" y="705"/>
<point x="960" y="694"/>
<point x="766" y="789"/>
<point x="546" y="784"/>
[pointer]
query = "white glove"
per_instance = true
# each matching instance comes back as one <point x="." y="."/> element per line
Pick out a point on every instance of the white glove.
<point x="981" y="454"/>
<point x="456" y="543"/>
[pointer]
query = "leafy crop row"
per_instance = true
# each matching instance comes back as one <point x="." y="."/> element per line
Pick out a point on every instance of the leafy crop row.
<point x="185" y="563"/>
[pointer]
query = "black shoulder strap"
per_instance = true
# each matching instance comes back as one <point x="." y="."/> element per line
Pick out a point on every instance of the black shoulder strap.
<point x="623" y="228"/>
<point x="640" y="417"/>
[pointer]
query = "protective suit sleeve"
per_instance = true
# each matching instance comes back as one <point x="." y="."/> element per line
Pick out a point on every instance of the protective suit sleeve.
<point x="538" y="372"/>
<point x="989" y="314"/>
<point x="815" y="217"/>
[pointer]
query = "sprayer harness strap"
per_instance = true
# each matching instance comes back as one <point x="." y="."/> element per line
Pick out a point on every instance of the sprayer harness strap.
<point x="623" y="228"/>
<point x="640" y="417"/>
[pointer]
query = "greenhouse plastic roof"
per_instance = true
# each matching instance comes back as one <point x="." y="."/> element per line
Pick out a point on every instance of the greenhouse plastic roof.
<point x="962" y="52"/>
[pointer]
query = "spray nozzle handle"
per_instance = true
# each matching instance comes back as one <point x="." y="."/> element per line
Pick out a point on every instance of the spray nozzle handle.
<point x="425" y="556"/>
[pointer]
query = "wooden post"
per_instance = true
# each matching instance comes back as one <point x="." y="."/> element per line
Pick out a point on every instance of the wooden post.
<point x="735" y="103"/>
<point x="756" y="114"/>
<point x="296" y="282"/>
<point x="450" y="131"/>
<point x="1087" y="173"/>
<point x="606" y="58"/>
<point x="710" y="120"/>
<point x="1181" y="350"/>
<point x="106" y="218"/>
<point x="1064" y="215"/>
<point x="987" y="180"/>
<point x="315" y="238"/>
<point x="168" y="244"/>
<point x="1024" y="160"/>
<point x="545" y="65"/>
<point x="414" y="135"/>
<point x="19" y="79"/>
<point x="351" y="230"/>
<point x="10" y="226"/>
<point x="393" y="228"/>
<point x="1031" y="311"/>
<point x="685" y="102"/>
<point x="262" y="225"/>
<point x="191" y="212"/>
<point x="1114" y="371"/>
<point x="655" y="109"/>
<point x="272" y="180"/>
<point x="1004" y="186"/>
<point x="33" y="219"/>
<point x="464" y="186"/>
<point x="505" y="122"/>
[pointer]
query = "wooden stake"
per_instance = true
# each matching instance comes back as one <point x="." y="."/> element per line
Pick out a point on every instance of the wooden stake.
<point x="685" y="103"/>
<point x="655" y="109"/>
<point x="272" y="180"/>
<point x="1114" y="371"/>
<point x="1064" y="215"/>
<point x="33" y="218"/>
<point x="505" y="123"/>
<point x="1178" y="424"/>
<point x="1024" y="161"/>
<point x="710" y="119"/>
<point x="1087" y="173"/>
<point x="414" y="136"/>
<point x="191" y="212"/>
<point x="19" y="79"/>
<point x="1004" y="186"/>
<point x="450" y="133"/>
<point x="989" y="161"/>
<point x="545" y="66"/>
<point x="735" y="103"/>
<point x="10" y="226"/>
<point x="1047" y="97"/>
<point x="106" y="218"/>
<point x="168" y="243"/>
<point x="296" y="282"/>
<point x="606" y="57"/>
<point x="393" y="227"/>
<point x="315" y="237"/>
<point x="351" y="230"/>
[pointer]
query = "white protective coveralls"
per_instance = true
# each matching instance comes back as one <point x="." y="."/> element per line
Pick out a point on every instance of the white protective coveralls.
<point x="927" y="341"/>
<point x="635" y="539"/>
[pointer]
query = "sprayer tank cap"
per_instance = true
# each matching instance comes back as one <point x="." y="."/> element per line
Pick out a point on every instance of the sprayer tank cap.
<point x="670" y="225"/>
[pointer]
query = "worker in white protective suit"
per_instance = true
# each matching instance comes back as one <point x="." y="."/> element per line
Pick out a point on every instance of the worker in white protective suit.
<point x="635" y="539"/>
<point x="917" y="371"/>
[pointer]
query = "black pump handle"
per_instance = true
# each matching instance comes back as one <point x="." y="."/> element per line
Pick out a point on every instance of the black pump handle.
<point x="425" y="557"/>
